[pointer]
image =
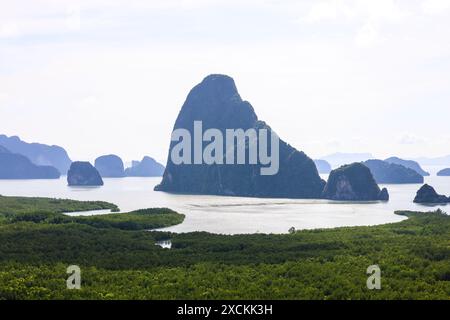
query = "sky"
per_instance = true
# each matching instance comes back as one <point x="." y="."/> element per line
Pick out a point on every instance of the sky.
<point x="110" y="76"/>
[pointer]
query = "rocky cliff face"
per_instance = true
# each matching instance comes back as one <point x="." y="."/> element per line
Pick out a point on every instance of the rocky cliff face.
<point x="217" y="103"/>
<point x="427" y="195"/>
<point x="353" y="183"/>
<point x="17" y="166"/>
<point x="83" y="174"/>
<point x="110" y="166"/>
<point x="385" y="172"/>
<point x="39" y="154"/>
<point x="408" y="164"/>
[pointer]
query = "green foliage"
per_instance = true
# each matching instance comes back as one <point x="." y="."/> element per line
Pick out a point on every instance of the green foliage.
<point x="137" y="220"/>
<point x="50" y="211"/>
<point x="15" y="206"/>
<point x="119" y="262"/>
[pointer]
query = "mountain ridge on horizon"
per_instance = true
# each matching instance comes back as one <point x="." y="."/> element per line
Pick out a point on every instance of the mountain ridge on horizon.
<point x="17" y="166"/>
<point x="38" y="153"/>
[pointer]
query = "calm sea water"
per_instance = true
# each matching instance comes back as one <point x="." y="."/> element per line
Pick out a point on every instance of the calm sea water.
<point x="233" y="215"/>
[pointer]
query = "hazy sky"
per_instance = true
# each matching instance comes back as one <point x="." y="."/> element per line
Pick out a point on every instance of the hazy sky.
<point x="105" y="76"/>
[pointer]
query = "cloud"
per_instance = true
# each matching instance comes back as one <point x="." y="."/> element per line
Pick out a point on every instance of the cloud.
<point x="3" y="97"/>
<point x="434" y="7"/>
<point x="60" y="20"/>
<point x="368" y="36"/>
<point x="73" y="18"/>
<point x="9" y="29"/>
<point x="409" y="139"/>
<point x="325" y="10"/>
<point x="365" y="16"/>
<point x="388" y="10"/>
<point x="115" y="59"/>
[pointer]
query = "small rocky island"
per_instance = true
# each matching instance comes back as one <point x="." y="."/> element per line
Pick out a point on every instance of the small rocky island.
<point x="428" y="195"/>
<point x="83" y="174"/>
<point x="391" y="173"/>
<point x="444" y="173"/>
<point x="110" y="166"/>
<point x="148" y="167"/>
<point x="353" y="182"/>
<point x="17" y="166"/>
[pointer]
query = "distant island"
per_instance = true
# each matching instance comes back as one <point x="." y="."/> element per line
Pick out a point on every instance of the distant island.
<point x="82" y="173"/>
<point x="148" y="167"/>
<point x="37" y="153"/>
<point x="110" y="166"/>
<point x="17" y="166"/>
<point x="22" y="160"/>
<point x="408" y="164"/>
<point x="390" y="173"/>
<point x="444" y="173"/>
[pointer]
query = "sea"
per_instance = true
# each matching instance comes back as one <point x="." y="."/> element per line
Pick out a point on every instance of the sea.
<point x="236" y="215"/>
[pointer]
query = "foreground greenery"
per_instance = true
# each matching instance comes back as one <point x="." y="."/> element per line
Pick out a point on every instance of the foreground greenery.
<point x="22" y="205"/>
<point x="119" y="260"/>
<point x="51" y="211"/>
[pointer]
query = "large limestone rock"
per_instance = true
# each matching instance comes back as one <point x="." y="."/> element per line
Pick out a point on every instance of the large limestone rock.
<point x="217" y="103"/>
<point x="391" y="173"/>
<point x="83" y="174"/>
<point x="110" y="166"/>
<point x="353" y="182"/>
<point x="148" y="167"/>
<point x="17" y="166"/>
<point x="428" y="195"/>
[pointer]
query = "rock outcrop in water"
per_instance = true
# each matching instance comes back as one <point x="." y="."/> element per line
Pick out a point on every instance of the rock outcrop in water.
<point x="110" y="166"/>
<point x="17" y="166"/>
<point x="384" y="195"/>
<point x="148" y="167"/>
<point x="217" y="103"/>
<point x="390" y="173"/>
<point x="428" y="195"/>
<point x="444" y="173"/>
<point x="353" y="182"/>
<point x="408" y="164"/>
<point x="83" y="174"/>
<point x="323" y="166"/>
<point x="39" y="154"/>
